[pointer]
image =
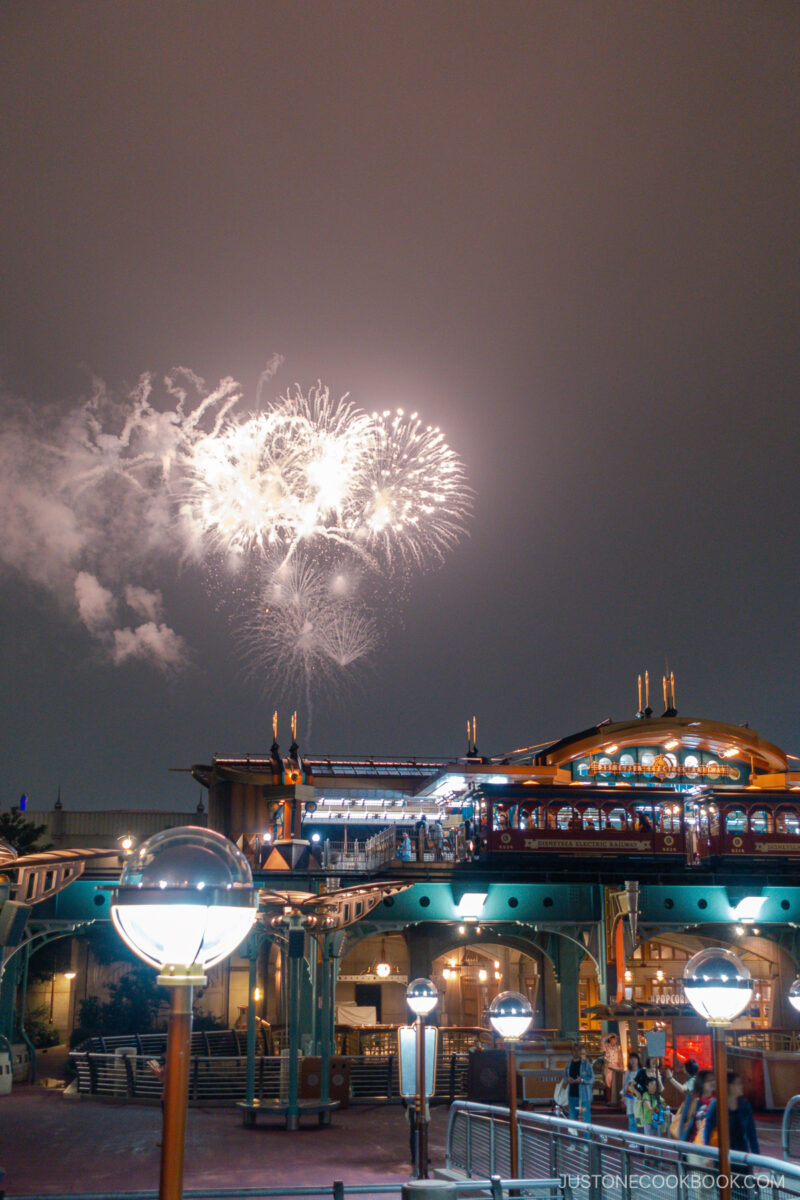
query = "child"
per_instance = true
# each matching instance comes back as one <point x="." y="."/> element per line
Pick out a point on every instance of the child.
<point x="632" y="1097"/>
<point x="655" y="1114"/>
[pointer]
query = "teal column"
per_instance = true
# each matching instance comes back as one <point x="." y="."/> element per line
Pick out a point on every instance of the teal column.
<point x="252" y="976"/>
<point x="295" y="961"/>
<point x="9" y="982"/>
<point x="324" y="1027"/>
<point x="570" y="957"/>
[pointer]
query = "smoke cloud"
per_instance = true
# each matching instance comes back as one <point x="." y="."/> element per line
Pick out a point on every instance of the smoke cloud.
<point x="156" y="644"/>
<point x="97" y="607"/>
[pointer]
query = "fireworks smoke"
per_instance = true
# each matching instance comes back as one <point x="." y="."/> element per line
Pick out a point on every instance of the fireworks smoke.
<point x="303" y="500"/>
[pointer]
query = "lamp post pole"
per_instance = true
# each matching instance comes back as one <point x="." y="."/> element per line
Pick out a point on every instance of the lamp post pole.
<point x="719" y="987"/>
<point x="421" y="997"/>
<point x="513" y="1132"/>
<point x="185" y="901"/>
<point x="723" y="1118"/>
<point x="176" y="1092"/>
<point x="422" y="1122"/>
<point x="510" y="1014"/>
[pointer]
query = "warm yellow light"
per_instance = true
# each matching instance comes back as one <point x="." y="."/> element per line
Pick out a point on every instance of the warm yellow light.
<point x="258" y="994"/>
<point x="383" y="969"/>
<point x="498" y="975"/>
<point x="730" y="752"/>
<point x="447" y="973"/>
<point x="660" y="976"/>
<point x="672" y="744"/>
<point x="462" y="929"/>
<point x="629" y="976"/>
<point x="496" y="964"/>
<point x="483" y="975"/>
<point x="612" y="749"/>
<point x="70" y="975"/>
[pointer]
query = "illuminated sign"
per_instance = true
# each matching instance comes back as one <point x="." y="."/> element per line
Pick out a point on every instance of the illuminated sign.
<point x="662" y="768"/>
<point x="645" y="766"/>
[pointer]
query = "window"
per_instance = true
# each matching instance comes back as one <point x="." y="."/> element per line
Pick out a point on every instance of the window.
<point x="735" y="820"/>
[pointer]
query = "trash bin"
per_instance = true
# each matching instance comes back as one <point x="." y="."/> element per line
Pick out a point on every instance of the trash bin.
<point x="6" y="1074"/>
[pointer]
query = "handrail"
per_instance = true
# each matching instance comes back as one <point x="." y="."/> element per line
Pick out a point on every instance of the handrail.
<point x="786" y="1124"/>
<point x="479" y="1132"/>
<point x="500" y="1189"/>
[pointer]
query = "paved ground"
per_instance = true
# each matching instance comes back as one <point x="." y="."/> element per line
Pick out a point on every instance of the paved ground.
<point x="49" y="1145"/>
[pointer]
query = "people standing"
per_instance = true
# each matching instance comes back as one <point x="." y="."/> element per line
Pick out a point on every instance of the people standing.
<point x="743" y="1134"/>
<point x="692" y="1069"/>
<point x="630" y="1092"/>
<point x="655" y="1114"/>
<point x="579" y="1076"/>
<point x="437" y="837"/>
<point x="696" y="1106"/>
<point x="612" y="1070"/>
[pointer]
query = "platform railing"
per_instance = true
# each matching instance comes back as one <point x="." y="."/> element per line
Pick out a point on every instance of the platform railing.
<point x="790" y="1128"/>
<point x="494" y="1188"/>
<point x="220" y="1081"/>
<point x="597" y="1162"/>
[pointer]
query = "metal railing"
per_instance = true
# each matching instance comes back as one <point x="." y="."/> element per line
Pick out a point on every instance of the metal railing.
<point x="495" y="1188"/>
<point x="212" y="1043"/>
<point x="219" y="1081"/>
<point x="597" y="1162"/>
<point x="359" y="855"/>
<point x="790" y="1128"/>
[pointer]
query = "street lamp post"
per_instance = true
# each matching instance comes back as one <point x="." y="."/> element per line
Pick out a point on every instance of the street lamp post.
<point x="719" y="987"/>
<point x="794" y="995"/>
<point x="421" y="997"/>
<point x="510" y="1014"/>
<point x="185" y="901"/>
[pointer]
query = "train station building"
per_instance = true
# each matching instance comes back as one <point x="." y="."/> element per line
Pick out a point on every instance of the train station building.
<point x="583" y="873"/>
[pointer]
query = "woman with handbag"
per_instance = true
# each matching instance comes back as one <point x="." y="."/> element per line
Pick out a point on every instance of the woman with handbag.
<point x="579" y="1076"/>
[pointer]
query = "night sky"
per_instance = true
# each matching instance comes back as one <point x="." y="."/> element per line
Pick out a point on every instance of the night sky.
<point x="565" y="232"/>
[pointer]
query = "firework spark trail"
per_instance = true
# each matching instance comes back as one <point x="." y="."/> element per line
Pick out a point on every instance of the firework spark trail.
<point x="308" y="621"/>
<point x="121" y="485"/>
<point x="316" y="469"/>
<point x="414" y="498"/>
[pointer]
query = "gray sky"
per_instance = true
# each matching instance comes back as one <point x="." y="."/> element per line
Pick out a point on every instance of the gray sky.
<point x="567" y="233"/>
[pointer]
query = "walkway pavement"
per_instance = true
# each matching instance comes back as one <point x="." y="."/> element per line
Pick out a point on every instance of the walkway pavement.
<point x="49" y="1145"/>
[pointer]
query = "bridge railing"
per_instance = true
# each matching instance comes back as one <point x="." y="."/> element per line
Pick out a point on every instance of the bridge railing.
<point x="597" y="1162"/>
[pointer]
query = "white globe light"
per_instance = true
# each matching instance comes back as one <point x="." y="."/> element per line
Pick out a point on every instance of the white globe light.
<point x="794" y="995"/>
<point x="422" y="997"/>
<point x="717" y="984"/>
<point x="510" y="1014"/>
<point x="185" y="898"/>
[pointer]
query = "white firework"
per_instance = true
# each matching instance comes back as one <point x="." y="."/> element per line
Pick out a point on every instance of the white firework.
<point x="304" y="624"/>
<point x="312" y="469"/>
<point x="276" y="478"/>
<point x="413" y="499"/>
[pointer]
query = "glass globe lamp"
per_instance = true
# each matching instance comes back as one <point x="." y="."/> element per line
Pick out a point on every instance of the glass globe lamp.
<point x="510" y="1014"/>
<point x="717" y="985"/>
<point x="794" y="995"/>
<point x="421" y="997"/>
<point x="185" y="901"/>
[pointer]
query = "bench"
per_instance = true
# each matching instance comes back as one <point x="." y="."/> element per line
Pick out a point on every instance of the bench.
<point x="280" y="1108"/>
